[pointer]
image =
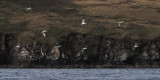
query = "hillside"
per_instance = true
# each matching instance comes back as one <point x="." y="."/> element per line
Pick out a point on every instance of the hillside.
<point x="99" y="42"/>
<point x="61" y="17"/>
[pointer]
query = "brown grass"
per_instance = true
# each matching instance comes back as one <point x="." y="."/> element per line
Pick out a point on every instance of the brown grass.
<point x="142" y="18"/>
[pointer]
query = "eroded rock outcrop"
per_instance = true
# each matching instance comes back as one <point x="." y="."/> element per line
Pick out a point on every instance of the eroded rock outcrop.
<point x="55" y="53"/>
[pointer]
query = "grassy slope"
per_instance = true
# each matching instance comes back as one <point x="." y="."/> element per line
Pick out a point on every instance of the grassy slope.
<point x="61" y="17"/>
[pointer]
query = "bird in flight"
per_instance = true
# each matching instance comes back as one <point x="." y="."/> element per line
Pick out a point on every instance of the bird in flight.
<point x="18" y="46"/>
<point x="83" y="22"/>
<point x="84" y="48"/>
<point x="43" y="32"/>
<point x="119" y="23"/>
<point x="28" y="9"/>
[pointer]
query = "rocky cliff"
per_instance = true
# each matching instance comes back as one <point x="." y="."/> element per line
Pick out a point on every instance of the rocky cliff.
<point x="81" y="49"/>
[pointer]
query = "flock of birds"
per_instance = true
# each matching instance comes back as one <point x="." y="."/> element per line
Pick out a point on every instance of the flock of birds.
<point x="119" y="23"/>
<point x="83" y="23"/>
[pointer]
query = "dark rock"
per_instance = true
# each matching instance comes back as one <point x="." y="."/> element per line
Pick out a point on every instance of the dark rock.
<point x="83" y="49"/>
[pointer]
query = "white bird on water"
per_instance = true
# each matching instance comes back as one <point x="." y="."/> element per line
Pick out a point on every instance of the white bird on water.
<point x="83" y="22"/>
<point x="43" y="32"/>
<point x="28" y="9"/>
<point x="119" y="23"/>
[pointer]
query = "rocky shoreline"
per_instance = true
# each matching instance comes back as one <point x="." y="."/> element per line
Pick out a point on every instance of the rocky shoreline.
<point x="77" y="50"/>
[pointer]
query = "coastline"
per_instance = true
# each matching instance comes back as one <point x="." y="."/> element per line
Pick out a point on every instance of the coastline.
<point x="79" y="67"/>
<point x="100" y="52"/>
<point x="99" y="43"/>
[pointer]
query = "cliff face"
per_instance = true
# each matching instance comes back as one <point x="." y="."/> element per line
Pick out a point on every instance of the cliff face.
<point x="7" y="43"/>
<point x="80" y="49"/>
<point x="102" y="50"/>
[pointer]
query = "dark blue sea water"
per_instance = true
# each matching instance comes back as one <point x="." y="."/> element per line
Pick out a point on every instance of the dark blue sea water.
<point x="79" y="74"/>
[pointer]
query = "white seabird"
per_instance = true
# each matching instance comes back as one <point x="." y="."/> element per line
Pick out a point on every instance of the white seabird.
<point x="34" y="44"/>
<point x="43" y="32"/>
<point x="119" y="23"/>
<point x="85" y="48"/>
<point x="83" y="22"/>
<point x="58" y="46"/>
<point x="18" y="46"/>
<point x="28" y="9"/>
<point x="136" y="45"/>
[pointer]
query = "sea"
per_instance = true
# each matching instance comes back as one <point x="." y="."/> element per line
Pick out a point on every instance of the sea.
<point x="79" y="74"/>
